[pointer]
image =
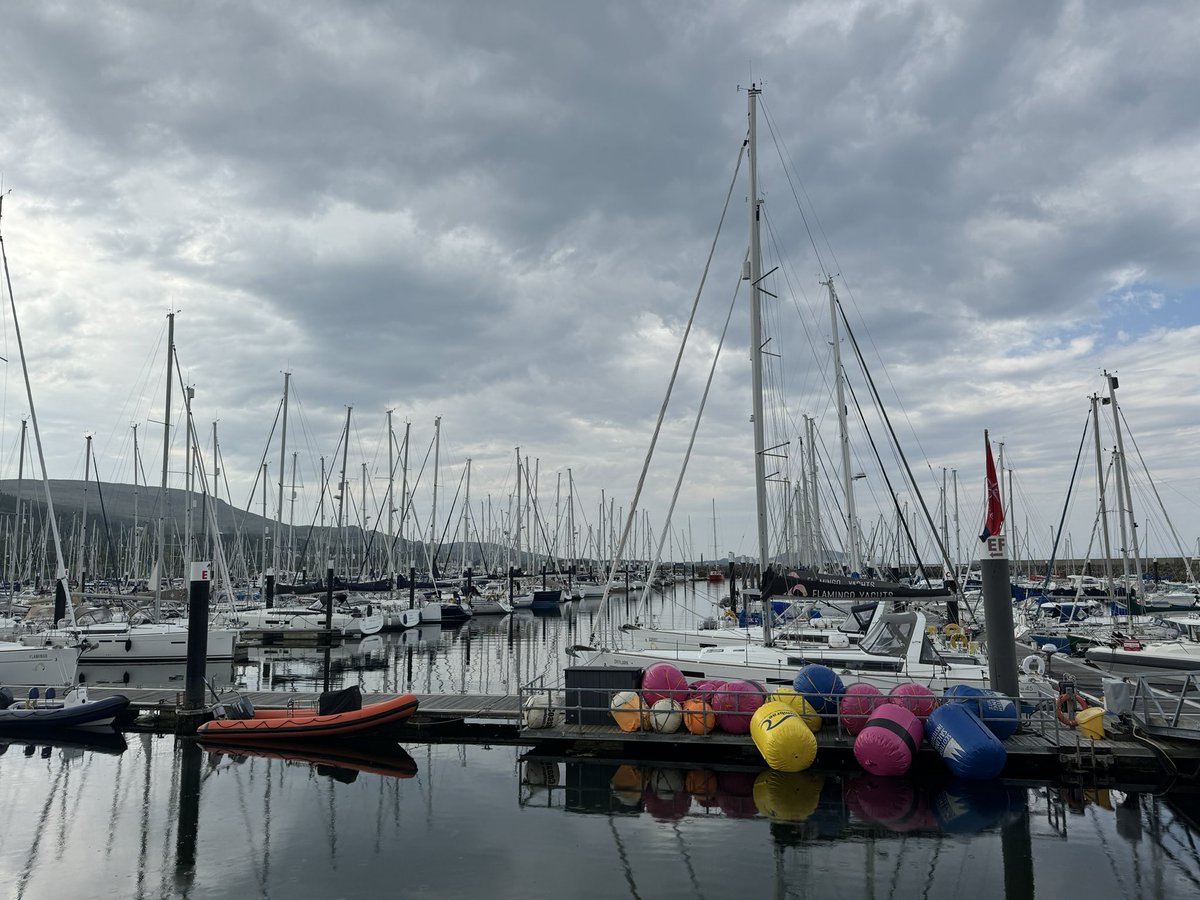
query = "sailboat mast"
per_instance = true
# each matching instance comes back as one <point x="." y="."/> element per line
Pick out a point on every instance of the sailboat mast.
<point x="51" y="520"/>
<point x="81" y="564"/>
<point x="161" y="566"/>
<point x="571" y="548"/>
<point x="517" y="509"/>
<point x="342" y="484"/>
<point x="466" y="521"/>
<point x="17" y="569"/>
<point x="1100" y="480"/>
<point x="363" y="521"/>
<point x="716" y="553"/>
<point x="844" y="436"/>
<point x="189" y="468"/>
<point x="391" y="501"/>
<point x="404" y="501"/>
<point x="291" y="557"/>
<point x="282" y="461"/>
<point x="215" y="538"/>
<point x="137" y="531"/>
<point x="756" y="347"/>
<point x="437" y="451"/>
<point x="1122" y="475"/>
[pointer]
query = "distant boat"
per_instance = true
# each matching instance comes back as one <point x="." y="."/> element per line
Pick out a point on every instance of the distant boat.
<point x="20" y="664"/>
<point x="1140" y="657"/>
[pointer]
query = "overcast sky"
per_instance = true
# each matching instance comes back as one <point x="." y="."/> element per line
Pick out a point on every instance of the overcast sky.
<point x="500" y="213"/>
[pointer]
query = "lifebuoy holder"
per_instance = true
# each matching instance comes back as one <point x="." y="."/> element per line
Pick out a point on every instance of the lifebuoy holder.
<point x="1065" y="700"/>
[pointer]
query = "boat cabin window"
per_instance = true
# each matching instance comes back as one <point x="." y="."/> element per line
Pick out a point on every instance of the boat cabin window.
<point x="859" y="618"/>
<point x="929" y="654"/>
<point x="893" y="636"/>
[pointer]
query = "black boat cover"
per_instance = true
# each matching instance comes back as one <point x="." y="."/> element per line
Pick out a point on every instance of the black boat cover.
<point x="346" y="700"/>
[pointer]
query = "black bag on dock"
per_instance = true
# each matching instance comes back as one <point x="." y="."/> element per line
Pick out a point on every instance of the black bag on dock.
<point x="6" y="698"/>
<point x="346" y="700"/>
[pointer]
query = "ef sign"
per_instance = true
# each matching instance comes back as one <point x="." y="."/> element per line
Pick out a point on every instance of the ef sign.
<point x="200" y="571"/>
<point x="997" y="547"/>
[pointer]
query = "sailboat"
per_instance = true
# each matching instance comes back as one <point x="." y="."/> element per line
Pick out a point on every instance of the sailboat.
<point x="141" y="637"/>
<point x="52" y="664"/>
<point x="896" y="646"/>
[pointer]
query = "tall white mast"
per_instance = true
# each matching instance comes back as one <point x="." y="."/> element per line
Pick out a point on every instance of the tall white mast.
<point x="189" y="466"/>
<point x="160" y="567"/>
<point x="282" y="463"/>
<point x="839" y="381"/>
<point x="756" y="350"/>
<point x="437" y="450"/>
<point x="1103" y="513"/>
<point x="18" y="569"/>
<point x="391" y="501"/>
<point x="716" y="550"/>
<point x="517" y="510"/>
<point x="343" y="484"/>
<point x="466" y="521"/>
<point x="1124" y="495"/>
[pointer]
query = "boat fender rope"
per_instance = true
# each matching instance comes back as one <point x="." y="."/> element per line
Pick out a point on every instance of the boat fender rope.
<point x="1060" y="708"/>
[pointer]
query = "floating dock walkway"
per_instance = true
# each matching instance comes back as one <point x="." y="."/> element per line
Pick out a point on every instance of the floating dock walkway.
<point x="1042" y="748"/>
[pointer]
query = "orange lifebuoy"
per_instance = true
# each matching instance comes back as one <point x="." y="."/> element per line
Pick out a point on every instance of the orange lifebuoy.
<point x="1063" y="700"/>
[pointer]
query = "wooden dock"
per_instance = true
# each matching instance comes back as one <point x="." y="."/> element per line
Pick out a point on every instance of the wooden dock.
<point x="1040" y="749"/>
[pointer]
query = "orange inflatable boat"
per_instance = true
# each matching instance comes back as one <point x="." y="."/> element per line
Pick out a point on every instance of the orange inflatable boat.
<point x="338" y="714"/>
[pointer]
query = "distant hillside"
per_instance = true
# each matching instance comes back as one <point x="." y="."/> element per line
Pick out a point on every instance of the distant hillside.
<point x="116" y="503"/>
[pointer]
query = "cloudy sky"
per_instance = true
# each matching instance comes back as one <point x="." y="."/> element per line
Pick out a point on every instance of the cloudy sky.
<point x="500" y="214"/>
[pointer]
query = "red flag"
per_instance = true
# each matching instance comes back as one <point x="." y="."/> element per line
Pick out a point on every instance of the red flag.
<point x="995" y="512"/>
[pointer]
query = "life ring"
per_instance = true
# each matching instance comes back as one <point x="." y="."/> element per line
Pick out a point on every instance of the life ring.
<point x="1033" y="665"/>
<point x="958" y="641"/>
<point x="951" y="628"/>
<point x="1063" y="700"/>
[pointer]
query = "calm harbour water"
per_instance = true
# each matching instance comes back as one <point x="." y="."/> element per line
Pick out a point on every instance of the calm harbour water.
<point x="149" y="816"/>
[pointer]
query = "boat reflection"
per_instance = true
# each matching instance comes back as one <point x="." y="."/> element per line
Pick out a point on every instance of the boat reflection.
<point x="73" y="742"/>
<point x="151" y="675"/>
<point x="337" y="761"/>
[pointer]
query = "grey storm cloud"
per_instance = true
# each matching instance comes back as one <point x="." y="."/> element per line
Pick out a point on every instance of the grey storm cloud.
<point x="499" y="214"/>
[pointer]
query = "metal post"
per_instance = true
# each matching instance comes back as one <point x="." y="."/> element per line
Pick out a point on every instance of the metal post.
<point x="997" y="617"/>
<point x="197" y="638"/>
<point x="329" y="598"/>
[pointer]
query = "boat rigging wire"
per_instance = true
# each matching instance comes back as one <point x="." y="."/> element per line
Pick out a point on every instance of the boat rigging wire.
<point x="662" y="412"/>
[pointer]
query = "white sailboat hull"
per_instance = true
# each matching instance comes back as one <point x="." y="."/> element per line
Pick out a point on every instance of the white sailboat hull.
<point x="141" y="643"/>
<point x="774" y="667"/>
<point x="20" y="664"/>
<point x="1154" y="656"/>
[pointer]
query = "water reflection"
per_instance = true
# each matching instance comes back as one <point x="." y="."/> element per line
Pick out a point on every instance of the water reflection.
<point x="341" y="762"/>
<point x="487" y="654"/>
<point x="170" y="819"/>
<point x="218" y="674"/>
<point x="836" y="804"/>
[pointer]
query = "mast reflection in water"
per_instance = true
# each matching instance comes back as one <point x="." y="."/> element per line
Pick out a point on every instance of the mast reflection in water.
<point x="162" y="818"/>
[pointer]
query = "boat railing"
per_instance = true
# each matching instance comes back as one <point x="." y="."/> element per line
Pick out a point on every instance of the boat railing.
<point x="591" y="696"/>
<point x="1165" y="704"/>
